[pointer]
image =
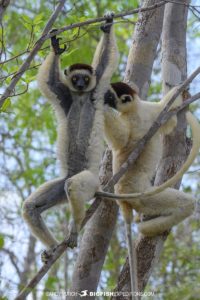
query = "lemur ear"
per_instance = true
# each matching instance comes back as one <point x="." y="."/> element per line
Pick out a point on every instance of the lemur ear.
<point x="66" y="72"/>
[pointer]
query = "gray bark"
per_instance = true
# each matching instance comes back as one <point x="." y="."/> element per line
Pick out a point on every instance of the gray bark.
<point x="175" y="145"/>
<point x="143" y="49"/>
<point x="28" y="261"/>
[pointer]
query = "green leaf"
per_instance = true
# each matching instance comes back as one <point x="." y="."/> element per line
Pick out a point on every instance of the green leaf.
<point x="26" y="19"/>
<point x="38" y="19"/>
<point x="72" y="51"/>
<point x="5" y="106"/>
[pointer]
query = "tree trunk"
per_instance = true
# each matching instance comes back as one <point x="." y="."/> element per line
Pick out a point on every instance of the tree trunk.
<point x="96" y="238"/>
<point x="28" y="261"/>
<point x="139" y="68"/>
<point x="143" y="49"/>
<point x="175" y="152"/>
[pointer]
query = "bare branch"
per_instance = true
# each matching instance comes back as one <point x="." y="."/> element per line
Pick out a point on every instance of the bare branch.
<point x="75" y="37"/>
<point x="101" y="19"/>
<point x="13" y="259"/>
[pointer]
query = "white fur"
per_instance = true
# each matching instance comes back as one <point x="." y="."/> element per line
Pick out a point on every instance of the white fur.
<point x="62" y="138"/>
<point x="81" y="186"/>
<point x="96" y="144"/>
<point x="122" y="131"/>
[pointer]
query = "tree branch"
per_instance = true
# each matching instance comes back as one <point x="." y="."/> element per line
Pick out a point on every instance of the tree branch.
<point x="13" y="259"/>
<point x="43" y="270"/>
<point x="32" y="54"/>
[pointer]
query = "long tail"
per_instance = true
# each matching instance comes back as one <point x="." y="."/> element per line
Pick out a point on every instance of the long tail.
<point x="132" y="257"/>
<point x="195" y="128"/>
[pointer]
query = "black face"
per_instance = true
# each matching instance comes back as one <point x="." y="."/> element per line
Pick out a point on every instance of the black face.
<point x="126" y="99"/>
<point x="80" y="81"/>
<point x="109" y="98"/>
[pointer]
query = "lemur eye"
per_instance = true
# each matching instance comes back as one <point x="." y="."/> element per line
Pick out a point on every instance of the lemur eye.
<point x="126" y="99"/>
<point x="86" y="78"/>
<point x="74" y="78"/>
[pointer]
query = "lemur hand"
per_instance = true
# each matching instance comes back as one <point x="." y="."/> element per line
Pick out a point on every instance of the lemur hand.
<point x="109" y="21"/>
<point x="55" y="44"/>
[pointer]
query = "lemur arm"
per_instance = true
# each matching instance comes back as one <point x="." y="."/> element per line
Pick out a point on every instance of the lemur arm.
<point x="116" y="130"/>
<point x="106" y="54"/>
<point x="169" y="126"/>
<point x="50" y="80"/>
<point x="195" y="128"/>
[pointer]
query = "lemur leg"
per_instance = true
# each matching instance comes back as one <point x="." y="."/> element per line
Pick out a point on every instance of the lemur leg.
<point x="171" y="206"/>
<point x="49" y="194"/>
<point x="79" y="189"/>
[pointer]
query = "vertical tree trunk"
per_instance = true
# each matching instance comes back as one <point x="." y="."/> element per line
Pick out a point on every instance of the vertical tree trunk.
<point x="98" y="232"/>
<point x="143" y="49"/>
<point x="96" y="238"/>
<point x="173" y="72"/>
<point x="28" y="261"/>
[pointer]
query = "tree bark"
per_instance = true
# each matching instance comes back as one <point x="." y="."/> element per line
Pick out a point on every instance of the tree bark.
<point x="88" y="266"/>
<point x="28" y="261"/>
<point x="175" y="145"/>
<point x="143" y="49"/>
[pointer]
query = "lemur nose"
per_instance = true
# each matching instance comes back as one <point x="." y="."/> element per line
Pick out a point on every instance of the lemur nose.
<point x="80" y="84"/>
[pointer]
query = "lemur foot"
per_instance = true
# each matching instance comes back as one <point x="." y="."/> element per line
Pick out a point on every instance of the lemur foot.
<point x="55" y="44"/>
<point x="109" y="21"/>
<point x="47" y="254"/>
<point x="72" y="240"/>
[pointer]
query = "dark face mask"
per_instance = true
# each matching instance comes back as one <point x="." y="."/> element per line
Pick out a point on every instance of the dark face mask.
<point x="109" y="98"/>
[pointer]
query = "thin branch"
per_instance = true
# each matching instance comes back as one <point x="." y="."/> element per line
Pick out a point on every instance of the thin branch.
<point x="32" y="54"/>
<point x="75" y="37"/>
<point x="173" y="112"/>
<point x="58" y="252"/>
<point x="101" y="19"/>
<point x="46" y="36"/>
<point x="13" y="259"/>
